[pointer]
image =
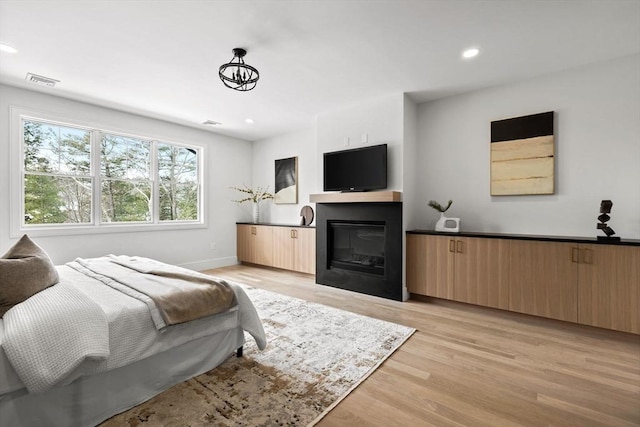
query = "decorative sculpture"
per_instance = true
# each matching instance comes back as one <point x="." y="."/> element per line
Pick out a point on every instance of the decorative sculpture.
<point x="605" y="210"/>
<point x="307" y="215"/>
<point x="451" y="225"/>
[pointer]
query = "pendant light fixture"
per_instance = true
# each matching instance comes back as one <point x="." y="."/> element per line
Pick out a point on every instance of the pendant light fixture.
<point x="236" y="74"/>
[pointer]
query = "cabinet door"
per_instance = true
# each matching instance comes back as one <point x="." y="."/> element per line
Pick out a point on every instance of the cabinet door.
<point x="430" y="265"/>
<point x="544" y="279"/>
<point x="305" y="250"/>
<point x="608" y="294"/>
<point x="263" y="239"/>
<point x="482" y="272"/>
<point x="254" y="244"/>
<point x="283" y="247"/>
<point x="245" y="250"/>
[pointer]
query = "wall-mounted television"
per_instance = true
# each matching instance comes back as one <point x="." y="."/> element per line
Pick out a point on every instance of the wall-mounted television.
<point x="358" y="169"/>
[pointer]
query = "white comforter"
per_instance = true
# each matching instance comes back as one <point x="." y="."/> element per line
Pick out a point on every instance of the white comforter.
<point x="81" y="326"/>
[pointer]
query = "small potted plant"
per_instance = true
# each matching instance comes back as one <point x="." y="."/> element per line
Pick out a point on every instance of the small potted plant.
<point x="444" y="223"/>
<point x="255" y="196"/>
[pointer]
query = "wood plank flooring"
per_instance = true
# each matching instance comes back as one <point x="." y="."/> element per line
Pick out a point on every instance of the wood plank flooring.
<point x="475" y="366"/>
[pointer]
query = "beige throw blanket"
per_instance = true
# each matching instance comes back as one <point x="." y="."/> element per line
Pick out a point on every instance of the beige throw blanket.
<point x="180" y="295"/>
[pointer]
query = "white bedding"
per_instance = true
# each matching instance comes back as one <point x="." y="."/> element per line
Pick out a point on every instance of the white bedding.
<point x="52" y="333"/>
<point x="132" y="335"/>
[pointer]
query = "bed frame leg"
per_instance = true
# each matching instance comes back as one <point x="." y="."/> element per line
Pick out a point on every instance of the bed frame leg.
<point x="239" y="352"/>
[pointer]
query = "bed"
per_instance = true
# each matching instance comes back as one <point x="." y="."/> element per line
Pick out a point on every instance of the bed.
<point x="96" y="349"/>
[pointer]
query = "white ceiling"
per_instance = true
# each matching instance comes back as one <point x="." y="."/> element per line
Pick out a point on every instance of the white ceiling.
<point x="161" y="58"/>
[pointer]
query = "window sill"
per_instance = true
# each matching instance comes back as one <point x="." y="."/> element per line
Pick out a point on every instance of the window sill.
<point x="103" y="229"/>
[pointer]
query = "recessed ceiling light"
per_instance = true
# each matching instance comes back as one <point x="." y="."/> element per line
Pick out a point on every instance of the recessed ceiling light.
<point x="250" y="121"/>
<point x="8" y="49"/>
<point x="470" y="53"/>
<point x="211" y="123"/>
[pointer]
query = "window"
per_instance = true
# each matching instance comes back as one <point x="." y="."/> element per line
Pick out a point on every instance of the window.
<point x="125" y="179"/>
<point x="178" y="173"/>
<point x="78" y="177"/>
<point x="57" y="174"/>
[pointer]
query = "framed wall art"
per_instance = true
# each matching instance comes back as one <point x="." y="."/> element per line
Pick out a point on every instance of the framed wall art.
<point x="523" y="155"/>
<point x="286" y="177"/>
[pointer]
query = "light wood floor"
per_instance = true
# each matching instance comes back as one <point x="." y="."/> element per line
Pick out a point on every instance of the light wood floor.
<point x="473" y="366"/>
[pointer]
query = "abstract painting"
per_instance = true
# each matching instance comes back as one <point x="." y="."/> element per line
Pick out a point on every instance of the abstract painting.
<point x="286" y="181"/>
<point x="522" y="155"/>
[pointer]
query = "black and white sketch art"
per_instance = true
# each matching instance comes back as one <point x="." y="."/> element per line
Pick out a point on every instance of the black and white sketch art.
<point x="286" y="181"/>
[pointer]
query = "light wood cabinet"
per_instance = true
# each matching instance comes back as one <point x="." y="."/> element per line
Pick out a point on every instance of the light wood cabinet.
<point x="463" y="269"/>
<point x="593" y="284"/>
<point x="294" y="249"/>
<point x="543" y="279"/>
<point x="255" y="244"/>
<point x="290" y="248"/>
<point x="608" y="287"/>
<point x="305" y="250"/>
<point x="429" y="266"/>
<point x="481" y="271"/>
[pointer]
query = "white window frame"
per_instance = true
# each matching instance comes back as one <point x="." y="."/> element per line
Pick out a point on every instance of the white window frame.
<point x="16" y="181"/>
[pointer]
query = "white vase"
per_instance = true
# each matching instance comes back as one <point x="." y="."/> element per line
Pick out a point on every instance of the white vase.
<point x="256" y="213"/>
<point x="452" y="225"/>
<point x="440" y="223"/>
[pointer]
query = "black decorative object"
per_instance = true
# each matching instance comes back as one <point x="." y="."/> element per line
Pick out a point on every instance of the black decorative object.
<point x="605" y="210"/>
<point x="307" y="215"/>
<point x="236" y="74"/>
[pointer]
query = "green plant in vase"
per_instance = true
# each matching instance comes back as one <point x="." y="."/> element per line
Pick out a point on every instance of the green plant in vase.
<point x="437" y="206"/>
<point x="444" y="223"/>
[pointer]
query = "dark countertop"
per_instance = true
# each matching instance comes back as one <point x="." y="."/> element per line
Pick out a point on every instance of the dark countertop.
<point x="270" y="224"/>
<point x="568" y="239"/>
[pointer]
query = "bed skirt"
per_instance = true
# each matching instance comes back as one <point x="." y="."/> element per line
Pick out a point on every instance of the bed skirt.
<point x="88" y="401"/>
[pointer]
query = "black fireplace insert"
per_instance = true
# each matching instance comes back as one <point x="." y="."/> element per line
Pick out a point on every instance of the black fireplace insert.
<point x="359" y="247"/>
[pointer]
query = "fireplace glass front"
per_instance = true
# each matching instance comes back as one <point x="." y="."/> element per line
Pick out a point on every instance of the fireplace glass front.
<point x="357" y="246"/>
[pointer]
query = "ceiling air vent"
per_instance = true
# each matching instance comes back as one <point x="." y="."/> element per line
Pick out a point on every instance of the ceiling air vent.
<point x="41" y="80"/>
<point x="211" y="123"/>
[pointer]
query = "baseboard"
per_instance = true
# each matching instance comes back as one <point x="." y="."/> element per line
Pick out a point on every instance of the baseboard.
<point x="208" y="264"/>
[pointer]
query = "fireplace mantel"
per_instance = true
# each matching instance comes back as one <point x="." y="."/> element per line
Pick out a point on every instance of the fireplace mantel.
<point x="357" y="197"/>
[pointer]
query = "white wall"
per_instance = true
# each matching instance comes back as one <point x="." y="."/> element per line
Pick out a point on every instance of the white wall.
<point x="410" y="195"/>
<point x="265" y="152"/>
<point x="381" y="119"/>
<point x="227" y="163"/>
<point x="597" y="153"/>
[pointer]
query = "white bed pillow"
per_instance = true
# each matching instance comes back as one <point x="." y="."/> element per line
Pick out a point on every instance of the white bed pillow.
<point x="24" y="271"/>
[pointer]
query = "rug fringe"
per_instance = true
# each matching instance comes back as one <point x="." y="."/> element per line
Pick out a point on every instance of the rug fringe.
<point x="364" y="377"/>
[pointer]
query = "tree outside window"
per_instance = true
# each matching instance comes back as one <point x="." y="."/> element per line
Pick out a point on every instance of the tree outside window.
<point x="60" y="180"/>
<point x="57" y="174"/>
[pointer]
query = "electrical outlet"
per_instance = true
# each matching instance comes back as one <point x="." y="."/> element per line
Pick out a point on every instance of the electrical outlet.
<point x="213" y="246"/>
<point x="365" y="138"/>
<point x="346" y="141"/>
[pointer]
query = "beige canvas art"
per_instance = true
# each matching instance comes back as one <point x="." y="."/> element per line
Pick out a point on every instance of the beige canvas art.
<point x="523" y="155"/>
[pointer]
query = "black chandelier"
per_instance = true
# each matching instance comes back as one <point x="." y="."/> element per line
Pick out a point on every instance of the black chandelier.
<point x="236" y="74"/>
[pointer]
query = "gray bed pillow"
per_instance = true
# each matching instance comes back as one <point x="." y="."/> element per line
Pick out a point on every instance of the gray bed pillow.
<point x="24" y="271"/>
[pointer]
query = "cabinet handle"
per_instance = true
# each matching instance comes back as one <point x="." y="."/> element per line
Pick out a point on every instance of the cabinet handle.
<point x="459" y="246"/>
<point x="452" y="247"/>
<point x="575" y="255"/>
<point x="291" y="233"/>
<point x="253" y="231"/>
<point x="295" y="234"/>
<point x="587" y="256"/>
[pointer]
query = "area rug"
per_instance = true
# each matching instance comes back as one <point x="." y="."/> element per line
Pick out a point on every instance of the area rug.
<point x="315" y="356"/>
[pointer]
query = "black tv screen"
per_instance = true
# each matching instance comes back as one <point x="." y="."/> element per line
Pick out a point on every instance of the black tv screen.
<point x="359" y="169"/>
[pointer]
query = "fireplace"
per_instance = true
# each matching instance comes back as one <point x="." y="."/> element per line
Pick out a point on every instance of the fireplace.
<point x="356" y="246"/>
<point x="359" y="247"/>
